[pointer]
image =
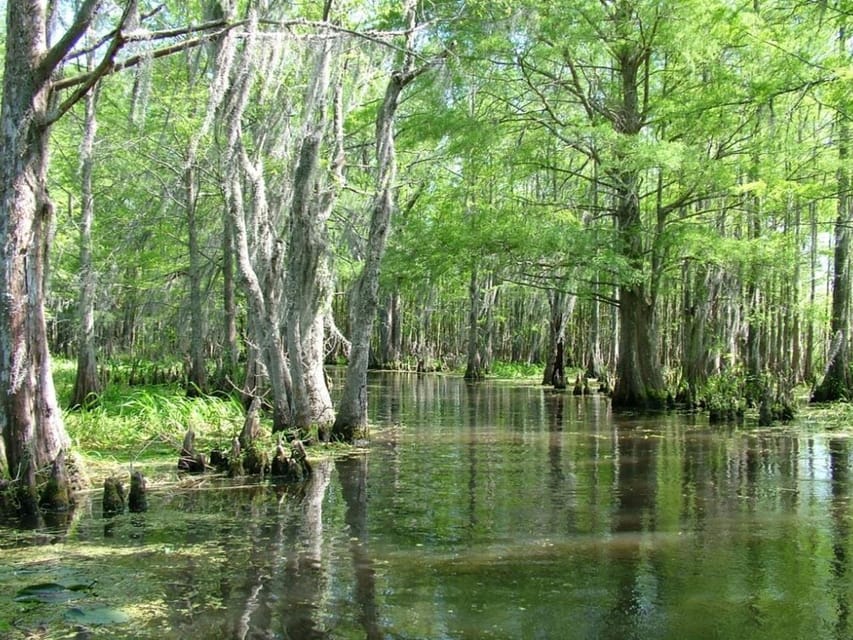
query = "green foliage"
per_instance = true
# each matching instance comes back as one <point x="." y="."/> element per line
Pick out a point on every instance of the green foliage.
<point x="508" y="160"/>
<point x="132" y="421"/>
<point x="724" y="394"/>
<point x="515" y="370"/>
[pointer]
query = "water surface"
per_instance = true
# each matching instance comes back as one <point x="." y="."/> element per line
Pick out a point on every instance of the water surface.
<point x="494" y="510"/>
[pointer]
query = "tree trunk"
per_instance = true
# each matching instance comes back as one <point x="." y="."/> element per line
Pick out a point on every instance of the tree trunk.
<point x="561" y="307"/>
<point x="837" y="383"/>
<point x="197" y="378"/>
<point x="473" y="368"/>
<point x="308" y="280"/>
<point x="86" y="383"/>
<point x="30" y="418"/>
<point x="808" y="371"/>
<point x="230" y="358"/>
<point x="351" y="421"/>
<point x="490" y="298"/>
<point x="390" y="331"/>
<point x="639" y="382"/>
<point x="265" y="328"/>
<point x="595" y="367"/>
<point x="259" y="267"/>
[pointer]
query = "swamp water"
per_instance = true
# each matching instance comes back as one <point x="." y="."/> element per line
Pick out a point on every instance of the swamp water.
<point x="494" y="510"/>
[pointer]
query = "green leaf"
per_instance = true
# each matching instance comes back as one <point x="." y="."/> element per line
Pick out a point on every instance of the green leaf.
<point x="96" y="616"/>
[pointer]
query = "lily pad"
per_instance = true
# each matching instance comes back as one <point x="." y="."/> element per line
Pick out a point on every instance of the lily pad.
<point x="96" y="616"/>
<point x="50" y="592"/>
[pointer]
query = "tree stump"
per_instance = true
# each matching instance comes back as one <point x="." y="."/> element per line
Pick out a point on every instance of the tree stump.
<point x="280" y="464"/>
<point x="291" y="468"/>
<point x="219" y="460"/>
<point x="251" y="425"/>
<point x="235" y="460"/>
<point x="300" y="457"/>
<point x="190" y="460"/>
<point x="56" y="495"/>
<point x="114" y="498"/>
<point x="255" y="461"/>
<point x="137" y="501"/>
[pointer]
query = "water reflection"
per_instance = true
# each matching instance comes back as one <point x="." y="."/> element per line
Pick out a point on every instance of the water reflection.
<point x="839" y="461"/>
<point x="352" y="472"/>
<point x="491" y="511"/>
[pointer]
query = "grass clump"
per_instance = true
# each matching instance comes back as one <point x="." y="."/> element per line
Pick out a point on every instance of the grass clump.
<point x="145" y="423"/>
<point x="128" y="419"/>
<point x="515" y="370"/>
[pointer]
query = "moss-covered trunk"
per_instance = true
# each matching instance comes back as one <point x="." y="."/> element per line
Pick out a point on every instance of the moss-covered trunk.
<point x="30" y="419"/>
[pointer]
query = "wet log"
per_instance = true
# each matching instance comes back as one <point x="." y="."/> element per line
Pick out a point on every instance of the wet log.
<point x="190" y="460"/>
<point x="137" y="501"/>
<point x="114" y="497"/>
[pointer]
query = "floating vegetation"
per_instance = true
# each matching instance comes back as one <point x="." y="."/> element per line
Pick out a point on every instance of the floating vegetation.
<point x="96" y="616"/>
<point x="46" y="592"/>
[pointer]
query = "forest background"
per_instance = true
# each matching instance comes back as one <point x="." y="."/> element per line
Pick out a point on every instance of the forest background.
<point x="242" y="192"/>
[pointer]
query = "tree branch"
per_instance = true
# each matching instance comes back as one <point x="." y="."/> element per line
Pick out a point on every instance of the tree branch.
<point x="129" y="38"/>
<point x="103" y="67"/>
<point x="54" y="56"/>
<point x="132" y="61"/>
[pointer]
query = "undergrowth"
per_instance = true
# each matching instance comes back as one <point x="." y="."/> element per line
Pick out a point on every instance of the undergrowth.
<point x="514" y="370"/>
<point x="138" y="422"/>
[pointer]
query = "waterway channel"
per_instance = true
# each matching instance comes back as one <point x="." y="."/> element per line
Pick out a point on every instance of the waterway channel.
<point x="494" y="510"/>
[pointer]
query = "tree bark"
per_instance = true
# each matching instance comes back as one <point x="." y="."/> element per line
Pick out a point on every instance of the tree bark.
<point x="473" y="368"/>
<point x="808" y="369"/>
<point x="561" y="307"/>
<point x="197" y="378"/>
<point x="265" y="327"/>
<point x="30" y="419"/>
<point x="230" y="358"/>
<point x="639" y="382"/>
<point x="86" y="383"/>
<point x="837" y="383"/>
<point x="390" y="331"/>
<point x="308" y="289"/>
<point x="351" y="420"/>
<point x="259" y="260"/>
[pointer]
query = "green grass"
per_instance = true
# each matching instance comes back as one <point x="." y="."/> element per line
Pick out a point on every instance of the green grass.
<point x="145" y="425"/>
<point x="515" y="370"/>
